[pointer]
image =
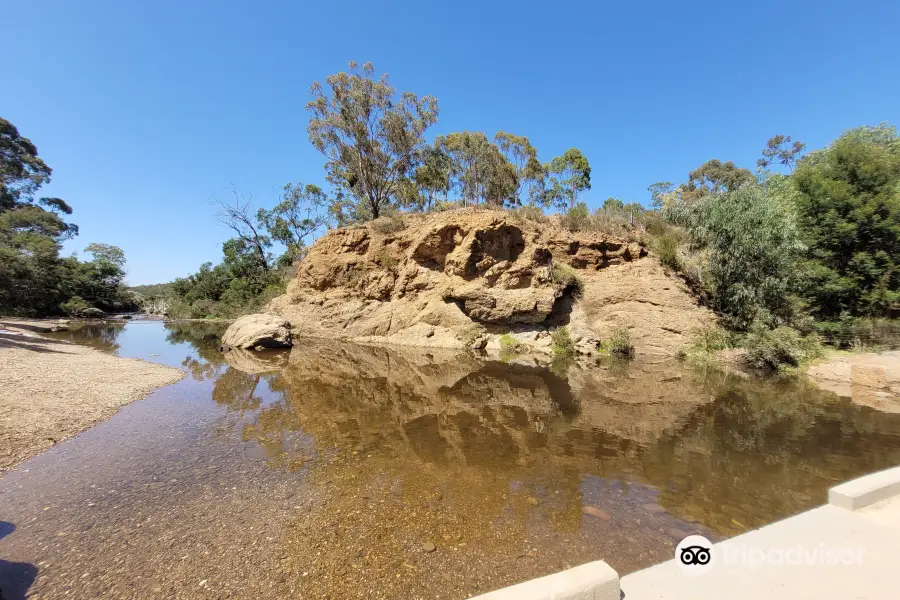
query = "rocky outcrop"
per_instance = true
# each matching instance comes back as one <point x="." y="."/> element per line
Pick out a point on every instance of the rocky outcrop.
<point x="464" y="277"/>
<point x="258" y="331"/>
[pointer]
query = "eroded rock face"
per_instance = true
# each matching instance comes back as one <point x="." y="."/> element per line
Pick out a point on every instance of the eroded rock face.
<point x="449" y="279"/>
<point x="259" y="330"/>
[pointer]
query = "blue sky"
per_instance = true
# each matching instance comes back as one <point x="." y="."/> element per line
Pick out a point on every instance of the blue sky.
<point x="146" y="109"/>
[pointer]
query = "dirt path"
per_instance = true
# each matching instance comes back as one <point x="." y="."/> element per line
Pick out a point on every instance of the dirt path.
<point x="51" y="390"/>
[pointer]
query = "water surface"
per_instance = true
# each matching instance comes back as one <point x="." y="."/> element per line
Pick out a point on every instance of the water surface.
<point x="327" y="472"/>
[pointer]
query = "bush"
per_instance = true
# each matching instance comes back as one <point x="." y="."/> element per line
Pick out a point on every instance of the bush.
<point x="577" y="218"/>
<point x="74" y="306"/>
<point x="510" y="347"/>
<point x="386" y="260"/>
<point x="563" y="345"/>
<point x="666" y="247"/>
<point x="707" y="342"/>
<point x="565" y="276"/>
<point x="619" y="343"/>
<point x="531" y="213"/>
<point x="779" y="348"/>
<point x="388" y="225"/>
<point x="201" y="309"/>
<point x="751" y="246"/>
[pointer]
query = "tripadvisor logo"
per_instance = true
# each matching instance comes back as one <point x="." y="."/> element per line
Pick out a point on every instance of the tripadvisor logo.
<point x="694" y="555"/>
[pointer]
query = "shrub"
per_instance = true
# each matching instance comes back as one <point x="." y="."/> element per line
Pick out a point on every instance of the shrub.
<point x="388" y="225"/>
<point x="619" y="343"/>
<point x="776" y="349"/>
<point x="666" y="247"/>
<point x="577" y="218"/>
<point x="563" y="344"/>
<point x="201" y="309"/>
<point x="566" y="277"/>
<point x="751" y="246"/>
<point x="706" y="343"/>
<point x="74" y="306"/>
<point x="386" y="259"/>
<point x="531" y="213"/>
<point x="510" y="347"/>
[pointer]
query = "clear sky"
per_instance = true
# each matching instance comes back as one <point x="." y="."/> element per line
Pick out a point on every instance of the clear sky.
<point x="146" y="109"/>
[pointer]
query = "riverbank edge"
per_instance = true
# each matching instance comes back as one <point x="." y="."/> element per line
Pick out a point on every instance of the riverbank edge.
<point x="52" y="390"/>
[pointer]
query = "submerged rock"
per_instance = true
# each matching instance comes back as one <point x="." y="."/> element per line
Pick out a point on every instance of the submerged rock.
<point x="258" y="330"/>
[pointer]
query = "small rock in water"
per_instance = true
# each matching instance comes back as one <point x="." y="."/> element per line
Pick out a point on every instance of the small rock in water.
<point x="428" y="547"/>
<point x="652" y="507"/>
<point x="595" y="512"/>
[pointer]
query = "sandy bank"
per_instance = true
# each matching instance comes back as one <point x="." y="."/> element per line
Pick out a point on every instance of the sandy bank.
<point x="51" y="390"/>
<point x="870" y="379"/>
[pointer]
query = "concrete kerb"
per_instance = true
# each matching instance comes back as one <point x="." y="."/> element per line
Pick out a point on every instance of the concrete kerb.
<point x="591" y="581"/>
<point x="866" y="490"/>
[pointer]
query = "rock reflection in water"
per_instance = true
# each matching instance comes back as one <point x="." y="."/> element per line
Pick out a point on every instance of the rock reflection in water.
<point x="507" y="462"/>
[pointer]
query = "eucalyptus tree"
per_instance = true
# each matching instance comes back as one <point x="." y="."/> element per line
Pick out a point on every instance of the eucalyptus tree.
<point x="478" y="168"/>
<point x="570" y="174"/>
<point x="523" y="156"/>
<point x="297" y="216"/>
<point x="713" y="177"/>
<point x="780" y="149"/>
<point x="370" y="136"/>
<point x="432" y="177"/>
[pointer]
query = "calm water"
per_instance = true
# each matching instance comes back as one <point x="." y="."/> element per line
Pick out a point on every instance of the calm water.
<point x="330" y="471"/>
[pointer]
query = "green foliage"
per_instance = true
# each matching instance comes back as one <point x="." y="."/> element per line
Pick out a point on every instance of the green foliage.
<point x="752" y="247"/>
<point x="74" y="306"/>
<point x="780" y="149"/>
<point x="779" y="348"/>
<point x="713" y="177"/>
<point x="565" y="276"/>
<point x="370" y="136"/>
<point x="295" y="218"/>
<point x="666" y="248"/>
<point x="849" y="210"/>
<point x="478" y="170"/>
<point x="34" y="279"/>
<point x="707" y="342"/>
<point x="859" y="332"/>
<point x="577" y="218"/>
<point x="563" y="344"/>
<point x="510" y="347"/>
<point x="570" y="174"/>
<point x="238" y="285"/>
<point x="523" y="156"/>
<point x="619" y="343"/>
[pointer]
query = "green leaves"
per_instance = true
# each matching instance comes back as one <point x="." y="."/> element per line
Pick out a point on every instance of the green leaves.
<point x="752" y="247"/>
<point x="370" y="137"/>
<point x="849" y="209"/>
<point x="570" y="174"/>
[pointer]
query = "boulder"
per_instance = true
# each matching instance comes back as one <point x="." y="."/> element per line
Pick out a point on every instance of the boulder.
<point x="91" y="313"/>
<point x="267" y="331"/>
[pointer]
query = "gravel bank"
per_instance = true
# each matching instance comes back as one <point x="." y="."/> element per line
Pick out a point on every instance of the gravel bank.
<point x="51" y="390"/>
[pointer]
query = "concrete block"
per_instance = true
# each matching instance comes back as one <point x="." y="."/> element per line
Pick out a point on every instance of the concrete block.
<point x="591" y="581"/>
<point x="866" y="490"/>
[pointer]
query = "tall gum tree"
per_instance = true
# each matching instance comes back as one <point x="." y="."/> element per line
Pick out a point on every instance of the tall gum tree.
<point x="371" y="138"/>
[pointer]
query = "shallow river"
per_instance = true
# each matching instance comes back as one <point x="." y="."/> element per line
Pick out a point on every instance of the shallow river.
<point x="343" y="471"/>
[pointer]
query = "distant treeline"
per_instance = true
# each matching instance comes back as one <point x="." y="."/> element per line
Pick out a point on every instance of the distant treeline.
<point x="34" y="279"/>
